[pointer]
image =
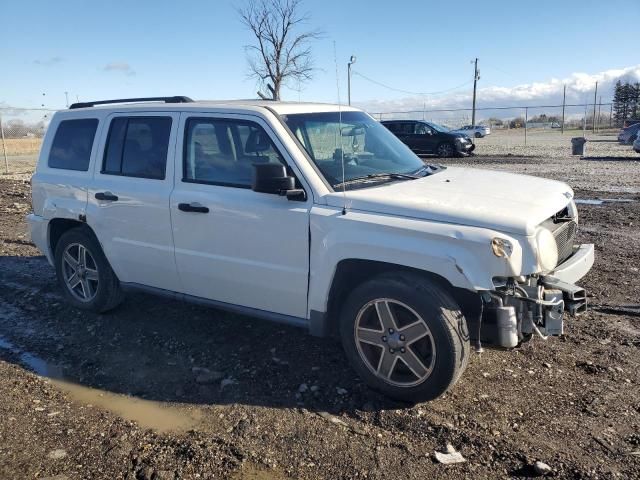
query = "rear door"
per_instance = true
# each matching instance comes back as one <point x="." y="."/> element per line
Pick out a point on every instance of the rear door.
<point x="234" y="245"/>
<point x="404" y="131"/>
<point x="128" y="206"/>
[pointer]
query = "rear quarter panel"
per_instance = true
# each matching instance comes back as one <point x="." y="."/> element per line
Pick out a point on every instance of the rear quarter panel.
<point x="59" y="193"/>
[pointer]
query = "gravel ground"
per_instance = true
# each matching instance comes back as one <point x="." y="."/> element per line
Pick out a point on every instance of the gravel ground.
<point x="158" y="389"/>
<point x="551" y="144"/>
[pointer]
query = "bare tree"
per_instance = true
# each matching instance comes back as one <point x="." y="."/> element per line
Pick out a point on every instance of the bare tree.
<point x="281" y="54"/>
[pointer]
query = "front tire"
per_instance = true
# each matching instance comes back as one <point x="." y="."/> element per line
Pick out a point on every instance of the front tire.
<point x="445" y="150"/>
<point x="83" y="272"/>
<point x="405" y="336"/>
<point x="478" y="135"/>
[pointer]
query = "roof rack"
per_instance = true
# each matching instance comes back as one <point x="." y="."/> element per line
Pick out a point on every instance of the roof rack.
<point x="176" y="99"/>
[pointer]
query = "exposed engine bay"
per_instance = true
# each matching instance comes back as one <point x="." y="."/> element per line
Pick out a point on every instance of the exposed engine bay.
<point x="524" y="306"/>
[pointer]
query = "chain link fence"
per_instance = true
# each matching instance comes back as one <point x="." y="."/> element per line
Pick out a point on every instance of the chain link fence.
<point x="520" y="121"/>
<point x="22" y="129"/>
<point x="21" y="133"/>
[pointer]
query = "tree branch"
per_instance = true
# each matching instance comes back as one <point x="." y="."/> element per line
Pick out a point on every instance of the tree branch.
<point x="280" y="54"/>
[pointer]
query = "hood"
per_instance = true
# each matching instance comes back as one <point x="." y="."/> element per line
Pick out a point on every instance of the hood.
<point x="455" y="134"/>
<point x="500" y="201"/>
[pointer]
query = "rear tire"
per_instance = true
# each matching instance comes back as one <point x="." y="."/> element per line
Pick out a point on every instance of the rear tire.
<point x="83" y="272"/>
<point x="405" y="336"/>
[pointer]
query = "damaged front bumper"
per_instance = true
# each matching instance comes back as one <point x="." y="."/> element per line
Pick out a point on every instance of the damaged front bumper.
<point x="464" y="148"/>
<point x="536" y="304"/>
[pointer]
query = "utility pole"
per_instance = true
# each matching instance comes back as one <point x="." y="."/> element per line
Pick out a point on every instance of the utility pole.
<point x="352" y="60"/>
<point x="66" y="98"/>
<point x="476" y="77"/>
<point x="564" y="101"/>
<point x="595" y="99"/>
<point x="611" y="115"/>
<point x="599" y="110"/>
<point x="4" y="148"/>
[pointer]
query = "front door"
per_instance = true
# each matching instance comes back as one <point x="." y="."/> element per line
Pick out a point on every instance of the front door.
<point x="423" y="139"/>
<point x="234" y="245"/>
<point x="128" y="206"/>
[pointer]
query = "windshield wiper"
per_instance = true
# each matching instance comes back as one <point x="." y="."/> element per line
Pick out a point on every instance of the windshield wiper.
<point x="375" y="176"/>
<point x="428" y="169"/>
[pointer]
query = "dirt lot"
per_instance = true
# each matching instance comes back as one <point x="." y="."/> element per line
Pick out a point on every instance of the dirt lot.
<point x="162" y="390"/>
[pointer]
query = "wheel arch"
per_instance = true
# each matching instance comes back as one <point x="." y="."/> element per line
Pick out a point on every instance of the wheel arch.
<point x="59" y="226"/>
<point x="353" y="271"/>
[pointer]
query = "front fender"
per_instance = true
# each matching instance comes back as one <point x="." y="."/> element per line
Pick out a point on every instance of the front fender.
<point x="460" y="254"/>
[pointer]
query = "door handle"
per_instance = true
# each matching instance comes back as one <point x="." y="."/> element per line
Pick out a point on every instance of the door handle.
<point x="192" y="207"/>
<point x="106" y="196"/>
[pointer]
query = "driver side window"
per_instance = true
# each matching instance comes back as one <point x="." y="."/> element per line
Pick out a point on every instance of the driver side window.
<point x="422" y="129"/>
<point x="222" y="152"/>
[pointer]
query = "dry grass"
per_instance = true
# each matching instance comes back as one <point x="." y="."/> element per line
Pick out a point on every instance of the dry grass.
<point x="22" y="146"/>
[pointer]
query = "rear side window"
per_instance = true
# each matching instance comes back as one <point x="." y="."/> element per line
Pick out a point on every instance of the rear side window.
<point x="71" y="148"/>
<point x="391" y="127"/>
<point x="406" y="128"/>
<point x="137" y="147"/>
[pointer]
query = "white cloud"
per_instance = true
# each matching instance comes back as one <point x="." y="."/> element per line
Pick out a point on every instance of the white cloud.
<point x="580" y="89"/>
<point x="122" y="67"/>
<point x="49" y="61"/>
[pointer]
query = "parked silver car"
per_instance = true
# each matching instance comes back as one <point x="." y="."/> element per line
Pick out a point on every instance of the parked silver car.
<point x="628" y="135"/>
<point x="636" y="144"/>
<point x="477" y="131"/>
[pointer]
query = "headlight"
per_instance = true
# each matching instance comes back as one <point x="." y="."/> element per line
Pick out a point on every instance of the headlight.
<point x="501" y="247"/>
<point x="547" y="249"/>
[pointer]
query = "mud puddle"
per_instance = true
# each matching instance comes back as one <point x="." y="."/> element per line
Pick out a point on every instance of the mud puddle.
<point x="146" y="413"/>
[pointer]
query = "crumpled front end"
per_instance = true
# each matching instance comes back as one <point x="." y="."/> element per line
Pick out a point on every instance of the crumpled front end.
<point x="519" y="307"/>
<point x="464" y="146"/>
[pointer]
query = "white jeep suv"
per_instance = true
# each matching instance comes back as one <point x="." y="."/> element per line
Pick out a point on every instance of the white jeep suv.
<point x="312" y="215"/>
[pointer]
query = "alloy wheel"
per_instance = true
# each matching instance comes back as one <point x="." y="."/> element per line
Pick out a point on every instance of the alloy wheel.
<point x="394" y="342"/>
<point x="445" y="150"/>
<point x="80" y="272"/>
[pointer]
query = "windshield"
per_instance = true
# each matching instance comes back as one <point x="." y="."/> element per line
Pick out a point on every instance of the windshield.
<point x="439" y="128"/>
<point x="368" y="148"/>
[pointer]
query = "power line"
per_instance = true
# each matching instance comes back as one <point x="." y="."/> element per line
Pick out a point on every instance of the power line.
<point x="408" y="92"/>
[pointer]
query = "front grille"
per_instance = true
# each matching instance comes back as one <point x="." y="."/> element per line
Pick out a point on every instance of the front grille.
<point x="564" y="235"/>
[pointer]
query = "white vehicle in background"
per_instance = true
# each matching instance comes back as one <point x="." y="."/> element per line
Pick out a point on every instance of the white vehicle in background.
<point x="477" y="131"/>
<point x="312" y="215"/>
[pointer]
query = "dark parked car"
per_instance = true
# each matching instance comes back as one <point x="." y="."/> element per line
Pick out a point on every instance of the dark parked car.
<point x="429" y="138"/>
<point x="629" y="134"/>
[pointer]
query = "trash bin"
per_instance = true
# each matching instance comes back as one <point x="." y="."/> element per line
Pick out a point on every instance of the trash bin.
<point x="577" y="145"/>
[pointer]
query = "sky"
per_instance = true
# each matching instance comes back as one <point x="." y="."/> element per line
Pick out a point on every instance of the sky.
<point x="126" y="48"/>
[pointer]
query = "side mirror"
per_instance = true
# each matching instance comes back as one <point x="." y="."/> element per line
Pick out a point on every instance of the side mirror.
<point x="272" y="178"/>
